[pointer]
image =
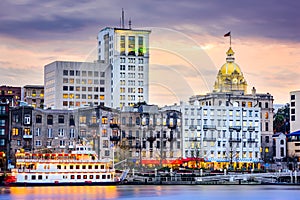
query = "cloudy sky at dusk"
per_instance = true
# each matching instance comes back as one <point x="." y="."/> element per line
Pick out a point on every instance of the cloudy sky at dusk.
<point x="187" y="46"/>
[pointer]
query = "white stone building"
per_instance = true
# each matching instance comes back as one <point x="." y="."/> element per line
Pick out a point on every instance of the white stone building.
<point x="222" y="135"/>
<point x="127" y="50"/>
<point x="76" y="84"/>
<point x="294" y="110"/>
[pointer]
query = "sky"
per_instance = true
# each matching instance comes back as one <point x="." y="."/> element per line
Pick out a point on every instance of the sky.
<point x="187" y="43"/>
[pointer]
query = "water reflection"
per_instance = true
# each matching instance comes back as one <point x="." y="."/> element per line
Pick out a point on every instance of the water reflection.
<point x="186" y="192"/>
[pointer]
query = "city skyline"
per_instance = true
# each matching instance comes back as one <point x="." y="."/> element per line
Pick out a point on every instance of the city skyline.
<point x="187" y="46"/>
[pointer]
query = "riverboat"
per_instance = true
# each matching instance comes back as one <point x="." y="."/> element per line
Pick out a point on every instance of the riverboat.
<point x="80" y="167"/>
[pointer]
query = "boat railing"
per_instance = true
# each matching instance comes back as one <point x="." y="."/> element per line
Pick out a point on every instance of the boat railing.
<point x="21" y="170"/>
<point x="60" y="161"/>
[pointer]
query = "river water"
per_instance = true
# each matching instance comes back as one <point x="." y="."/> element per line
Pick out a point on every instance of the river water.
<point x="144" y="192"/>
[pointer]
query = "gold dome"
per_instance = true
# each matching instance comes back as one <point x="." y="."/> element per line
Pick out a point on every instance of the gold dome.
<point x="229" y="67"/>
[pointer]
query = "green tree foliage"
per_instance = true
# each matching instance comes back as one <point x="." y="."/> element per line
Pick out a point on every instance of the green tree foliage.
<point x="281" y="121"/>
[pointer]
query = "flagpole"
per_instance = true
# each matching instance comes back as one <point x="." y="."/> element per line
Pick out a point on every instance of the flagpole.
<point x="230" y="40"/>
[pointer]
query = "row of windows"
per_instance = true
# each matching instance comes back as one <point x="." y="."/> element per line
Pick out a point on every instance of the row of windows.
<point x="84" y="81"/>
<point x="83" y="73"/>
<point x="78" y="177"/>
<point x="60" y="119"/>
<point x="131" y="60"/>
<point x="83" y="103"/>
<point x="78" y="89"/>
<point x="293" y="104"/>
<point x="80" y="167"/>
<point x="83" y="96"/>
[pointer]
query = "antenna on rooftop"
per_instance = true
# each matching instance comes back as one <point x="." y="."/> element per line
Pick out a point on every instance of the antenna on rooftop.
<point x="129" y="23"/>
<point x="123" y="18"/>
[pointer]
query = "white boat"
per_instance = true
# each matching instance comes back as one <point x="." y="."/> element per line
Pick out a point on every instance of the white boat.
<point x="80" y="167"/>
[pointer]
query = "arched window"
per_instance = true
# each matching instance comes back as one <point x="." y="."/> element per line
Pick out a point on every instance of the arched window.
<point x="38" y="119"/>
<point x="50" y="120"/>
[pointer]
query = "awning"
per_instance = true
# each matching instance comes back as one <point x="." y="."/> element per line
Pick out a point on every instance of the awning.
<point x="296" y="133"/>
<point x="157" y="162"/>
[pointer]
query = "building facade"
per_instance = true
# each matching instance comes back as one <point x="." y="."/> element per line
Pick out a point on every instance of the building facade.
<point x="279" y="145"/>
<point x="4" y="132"/>
<point x="127" y="50"/>
<point x="150" y="136"/>
<point x="13" y="94"/>
<point x="76" y="84"/>
<point x="230" y="89"/>
<point x="218" y="137"/>
<point x="33" y="95"/>
<point x="294" y="111"/>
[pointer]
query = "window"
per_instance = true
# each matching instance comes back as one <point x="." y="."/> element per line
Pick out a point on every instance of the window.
<point x="2" y="131"/>
<point x="50" y="120"/>
<point x="61" y="132"/>
<point x="27" y="119"/>
<point x="61" y="119"/>
<point x="267" y="139"/>
<point x="72" y="133"/>
<point x="65" y="72"/>
<point x="50" y="133"/>
<point x="38" y="143"/>
<point x="38" y="119"/>
<point x="293" y="97"/>
<point x="266" y="105"/>
<point x="37" y="131"/>
<point x="293" y="118"/>
<point x="131" y="46"/>
<point x="267" y="126"/>
<point x="61" y="143"/>
<point x="2" y="122"/>
<point x="72" y="121"/>
<point x="2" y="142"/>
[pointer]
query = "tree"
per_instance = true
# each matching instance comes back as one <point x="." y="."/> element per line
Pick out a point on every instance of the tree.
<point x="281" y="120"/>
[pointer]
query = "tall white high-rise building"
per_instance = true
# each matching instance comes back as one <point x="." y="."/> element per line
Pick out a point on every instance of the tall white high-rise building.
<point x="127" y="50"/>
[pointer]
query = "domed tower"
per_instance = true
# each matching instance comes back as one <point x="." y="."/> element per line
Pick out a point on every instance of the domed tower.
<point x="230" y="77"/>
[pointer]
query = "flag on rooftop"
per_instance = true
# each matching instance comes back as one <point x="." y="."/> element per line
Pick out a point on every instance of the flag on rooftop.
<point x="227" y="34"/>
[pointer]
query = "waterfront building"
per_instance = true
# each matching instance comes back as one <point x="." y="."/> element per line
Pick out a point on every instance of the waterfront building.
<point x="4" y="131"/>
<point x="13" y="94"/>
<point x="76" y="84"/>
<point x="33" y="95"/>
<point x="100" y="126"/>
<point x="279" y="146"/>
<point x="230" y="89"/>
<point x="127" y="52"/>
<point x="293" y="142"/>
<point x="21" y="129"/>
<point x="56" y="130"/>
<point x="150" y="136"/>
<point x="218" y="137"/>
<point x="294" y="110"/>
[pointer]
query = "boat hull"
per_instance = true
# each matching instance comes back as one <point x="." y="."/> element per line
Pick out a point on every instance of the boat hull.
<point x="22" y="184"/>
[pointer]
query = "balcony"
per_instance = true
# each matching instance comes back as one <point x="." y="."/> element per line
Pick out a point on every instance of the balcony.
<point x="209" y="139"/>
<point x="151" y="139"/>
<point x="115" y="138"/>
<point x="192" y="128"/>
<point x="251" y="128"/>
<point x="27" y="136"/>
<point x="207" y="127"/>
<point x="251" y="140"/>
<point x="27" y="147"/>
<point x="130" y="125"/>
<point x="130" y="138"/>
<point x="114" y="126"/>
<point x="236" y="128"/>
<point x="195" y="139"/>
<point x="235" y="139"/>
